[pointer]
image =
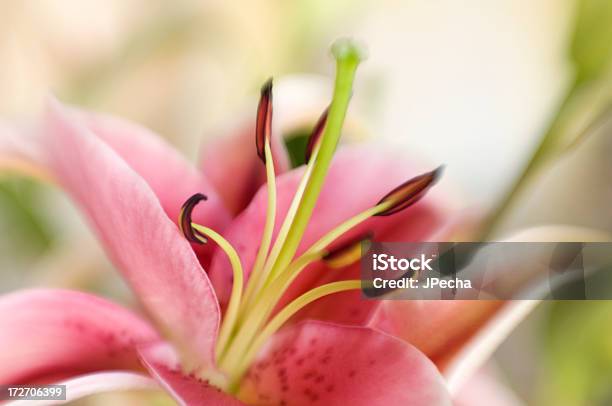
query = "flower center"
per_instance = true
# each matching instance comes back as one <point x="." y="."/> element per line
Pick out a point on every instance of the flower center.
<point x="249" y="320"/>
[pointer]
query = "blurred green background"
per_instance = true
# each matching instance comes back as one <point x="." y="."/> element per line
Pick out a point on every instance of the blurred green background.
<point x="475" y="84"/>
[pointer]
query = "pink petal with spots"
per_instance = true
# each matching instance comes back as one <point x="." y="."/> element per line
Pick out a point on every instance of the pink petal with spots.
<point x="187" y="390"/>
<point x="142" y="241"/>
<point x="45" y="334"/>
<point x="317" y="363"/>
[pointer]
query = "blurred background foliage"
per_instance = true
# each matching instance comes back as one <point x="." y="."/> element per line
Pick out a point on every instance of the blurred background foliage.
<point x="479" y="85"/>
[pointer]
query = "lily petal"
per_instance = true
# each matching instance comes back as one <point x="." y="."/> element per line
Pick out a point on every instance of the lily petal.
<point x="319" y="363"/>
<point x="51" y="333"/>
<point x="485" y="388"/>
<point x="91" y="384"/>
<point x="359" y="176"/>
<point x="187" y="390"/>
<point x="439" y="328"/>
<point x="231" y="162"/>
<point x="142" y="241"/>
<point x="170" y="176"/>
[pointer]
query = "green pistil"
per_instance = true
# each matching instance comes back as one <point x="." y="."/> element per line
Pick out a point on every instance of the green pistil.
<point x="348" y="55"/>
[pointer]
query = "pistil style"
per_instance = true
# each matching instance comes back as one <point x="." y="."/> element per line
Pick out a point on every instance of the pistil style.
<point x="348" y="56"/>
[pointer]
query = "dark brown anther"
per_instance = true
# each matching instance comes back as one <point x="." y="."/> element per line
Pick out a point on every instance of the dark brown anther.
<point x="347" y="252"/>
<point x="263" y="126"/>
<point x="185" y="219"/>
<point x="315" y="135"/>
<point x="409" y="192"/>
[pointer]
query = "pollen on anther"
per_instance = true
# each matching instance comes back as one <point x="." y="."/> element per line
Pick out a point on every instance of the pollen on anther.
<point x="185" y="219"/>
<point x="409" y="192"/>
<point x="263" y="125"/>
<point x="347" y="252"/>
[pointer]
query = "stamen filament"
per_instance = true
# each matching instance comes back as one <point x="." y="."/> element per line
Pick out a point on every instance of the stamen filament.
<point x="345" y="227"/>
<point x="234" y="303"/>
<point x="348" y="252"/>
<point x="408" y="194"/>
<point x="347" y="57"/>
<point x="255" y="280"/>
<point x="284" y="315"/>
<point x="284" y="231"/>
<point x="318" y="249"/>
<point x="259" y="312"/>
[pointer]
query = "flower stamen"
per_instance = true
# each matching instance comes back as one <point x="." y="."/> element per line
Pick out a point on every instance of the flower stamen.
<point x="348" y="252"/>
<point x="409" y="192"/>
<point x="250" y="318"/>
<point x="185" y="219"/>
<point x="400" y="198"/>
<point x="261" y="310"/>
<point x="263" y="128"/>
<point x="285" y="314"/>
<point x="231" y="313"/>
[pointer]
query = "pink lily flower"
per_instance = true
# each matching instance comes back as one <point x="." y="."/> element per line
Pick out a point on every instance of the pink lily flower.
<point x="267" y="310"/>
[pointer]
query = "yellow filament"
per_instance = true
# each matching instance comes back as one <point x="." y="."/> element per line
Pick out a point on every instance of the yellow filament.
<point x="255" y="279"/>
<point x="260" y="310"/>
<point x="234" y="304"/>
<point x="318" y="248"/>
<point x="276" y="286"/>
<point x="346" y="258"/>
<point x="343" y="228"/>
<point x="285" y="314"/>
<point x="284" y="230"/>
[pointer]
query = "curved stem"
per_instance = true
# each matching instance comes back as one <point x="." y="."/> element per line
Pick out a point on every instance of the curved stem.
<point x="539" y="157"/>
